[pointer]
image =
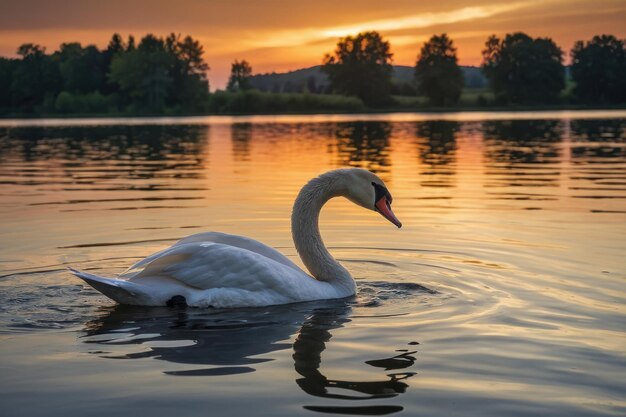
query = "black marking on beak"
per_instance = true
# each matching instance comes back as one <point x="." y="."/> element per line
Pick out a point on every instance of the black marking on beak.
<point x="382" y="204"/>
<point x="381" y="192"/>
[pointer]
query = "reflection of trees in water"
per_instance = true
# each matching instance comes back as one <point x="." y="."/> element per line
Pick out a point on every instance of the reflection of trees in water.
<point x="231" y="339"/>
<point x="135" y="151"/>
<point x="436" y="143"/>
<point x="611" y="133"/>
<point x="241" y="135"/>
<point x="364" y="144"/>
<point x="598" y="153"/>
<point x="523" y="152"/>
<point x="598" y="130"/>
<point x="523" y="141"/>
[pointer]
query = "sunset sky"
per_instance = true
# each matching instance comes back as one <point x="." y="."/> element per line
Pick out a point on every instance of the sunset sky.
<point x="277" y="35"/>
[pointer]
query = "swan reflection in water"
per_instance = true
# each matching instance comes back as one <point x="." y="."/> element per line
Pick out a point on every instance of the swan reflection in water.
<point x="230" y="341"/>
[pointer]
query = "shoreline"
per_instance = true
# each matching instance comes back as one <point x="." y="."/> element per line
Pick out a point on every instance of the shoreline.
<point x="405" y="116"/>
<point x="370" y="111"/>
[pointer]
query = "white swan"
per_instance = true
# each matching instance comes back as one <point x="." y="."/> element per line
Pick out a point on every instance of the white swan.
<point x="220" y="270"/>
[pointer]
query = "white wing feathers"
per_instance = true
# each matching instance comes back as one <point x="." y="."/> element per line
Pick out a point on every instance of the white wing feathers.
<point x="199" y="263"/>
<point x="214" y="269"/>
<point x="216" y="237"/>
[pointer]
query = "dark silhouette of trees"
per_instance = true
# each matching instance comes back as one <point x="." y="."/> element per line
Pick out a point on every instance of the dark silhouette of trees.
<point x="155" y="76"/>
<point x="361" y="66"/>
<point x="169" y="75"/>
<point x="161" y="72"/>
<point x="599" y="70"/>
<point x="130" y="46"/>
<point x="142" y="74"/>
<point x="116" y="46"/>
<point x="364" y="144"/>
<point x="81" y="68"/>
<point x="7" y="66"/>
<point x="190" y="85"/>
<point x="437" y="72"/>
<point x="521" y="69"/>
<point x="240" y="73"/>
<point x="36" y="78"/>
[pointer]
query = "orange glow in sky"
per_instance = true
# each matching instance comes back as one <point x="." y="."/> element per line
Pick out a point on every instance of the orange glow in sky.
<point x="277" y="35"/>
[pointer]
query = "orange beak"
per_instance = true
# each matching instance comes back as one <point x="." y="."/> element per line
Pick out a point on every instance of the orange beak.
<point x="384" y="208"/>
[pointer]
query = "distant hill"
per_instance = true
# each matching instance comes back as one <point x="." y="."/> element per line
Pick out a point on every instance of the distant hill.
<point x="314" y="80"/>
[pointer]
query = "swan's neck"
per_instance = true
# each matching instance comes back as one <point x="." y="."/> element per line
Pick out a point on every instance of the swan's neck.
<point x="306" y="232"/>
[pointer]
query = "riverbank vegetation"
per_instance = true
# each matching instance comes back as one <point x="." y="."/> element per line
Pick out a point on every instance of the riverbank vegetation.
<point x="168" y="76"/>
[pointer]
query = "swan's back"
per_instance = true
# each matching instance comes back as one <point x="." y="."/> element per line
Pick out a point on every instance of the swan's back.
<point x="217" y="237"/>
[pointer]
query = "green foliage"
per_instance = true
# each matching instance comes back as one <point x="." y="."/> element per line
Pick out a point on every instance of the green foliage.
<point x="599" y="70"/>
<point x="409" y="102"/>
<point x="64" y="102"/>
<point x="404" y="89"/>
<point x="116" y="45"/>
<point x="168" y="76"/>
<point x="361" y="66"/>
<point x="521" y="69"/>
<point x="253" y="101"/>
<point x="142" y="74"/>
<point x="95" y="102"/>
<point x="81" y="68"/>
<point x="191" y="86"/>
<point x="153" y="77"/>
<point x="161" y="73"/>
<point x="7" y="66"/>
<point x="315" y="81"/>
<point x="240" y="73"/>
<point x="34" y="76"/>
<point x="476" y="97"/>
<point x="437" y="72"/>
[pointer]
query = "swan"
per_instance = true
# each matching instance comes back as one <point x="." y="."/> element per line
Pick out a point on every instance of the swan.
<point x="221" y="270"/>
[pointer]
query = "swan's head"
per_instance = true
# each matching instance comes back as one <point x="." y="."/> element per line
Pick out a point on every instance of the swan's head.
<point x="367" y="190"/>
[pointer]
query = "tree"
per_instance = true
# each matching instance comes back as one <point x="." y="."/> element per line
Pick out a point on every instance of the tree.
<point x="437" y="72"/>
<point x="115" y="47"/>
<point x="81" y="68"/>
<point x="190" y="83"/>
<point x="35" y="77"/>
<point x="143" y="73"/>
<point x="130" y="45"/>
<point x="361" y="66"/>
<point x="599" y="70"/>
<point x="161" y="73"/>
<point x="7" y="66"/>
<point x="240" y="73"/>
<point x="521" y="69"/>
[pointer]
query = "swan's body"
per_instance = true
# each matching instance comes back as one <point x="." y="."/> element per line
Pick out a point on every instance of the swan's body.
<point x="221" y="270"/>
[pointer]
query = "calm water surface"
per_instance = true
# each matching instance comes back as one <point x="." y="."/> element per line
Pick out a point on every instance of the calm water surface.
<point x="504" y="294"/>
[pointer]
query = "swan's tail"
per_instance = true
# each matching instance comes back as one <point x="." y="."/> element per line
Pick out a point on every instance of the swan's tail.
<point x="122" y="291"/>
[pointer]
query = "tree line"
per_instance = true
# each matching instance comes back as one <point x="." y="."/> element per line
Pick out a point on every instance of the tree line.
<point x="169" y="75"/>
<point x="148" y="77"/>
<point x="520" y="69"/>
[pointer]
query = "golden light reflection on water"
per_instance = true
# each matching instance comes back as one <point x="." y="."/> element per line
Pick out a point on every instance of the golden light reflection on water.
<point x="508" y="271"/>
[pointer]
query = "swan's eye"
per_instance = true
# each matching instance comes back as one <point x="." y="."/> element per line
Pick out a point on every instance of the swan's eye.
<point x="381" y="192"/>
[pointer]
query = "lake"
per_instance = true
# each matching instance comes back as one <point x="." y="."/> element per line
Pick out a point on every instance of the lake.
<point x="504" y="294"/>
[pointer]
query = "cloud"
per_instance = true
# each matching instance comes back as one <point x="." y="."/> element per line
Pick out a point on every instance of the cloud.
<point x="309" y="35"/>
